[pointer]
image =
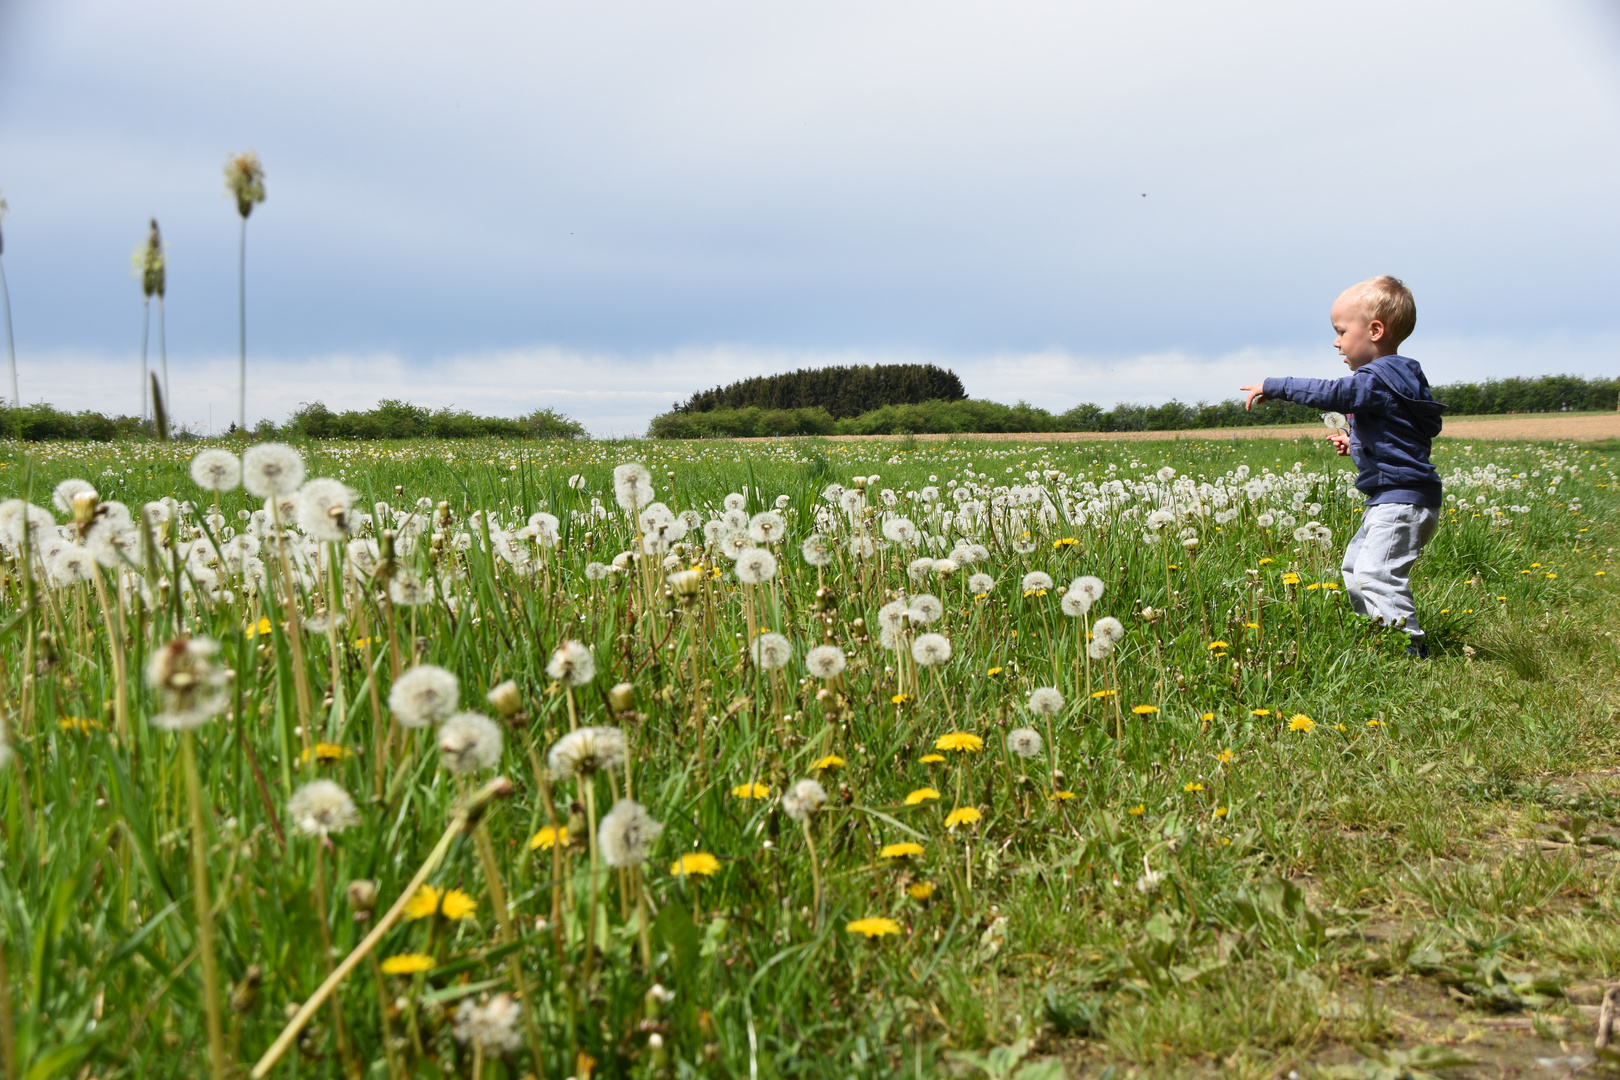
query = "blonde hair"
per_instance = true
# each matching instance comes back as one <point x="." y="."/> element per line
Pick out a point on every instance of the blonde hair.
<point x="1388" y="300"/>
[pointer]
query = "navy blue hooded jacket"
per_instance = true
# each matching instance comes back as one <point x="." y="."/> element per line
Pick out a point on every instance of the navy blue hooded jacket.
<point x="1394" y="420"/>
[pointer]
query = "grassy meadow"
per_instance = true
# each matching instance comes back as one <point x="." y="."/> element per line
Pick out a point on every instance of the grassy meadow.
<point x="980" y="830"/>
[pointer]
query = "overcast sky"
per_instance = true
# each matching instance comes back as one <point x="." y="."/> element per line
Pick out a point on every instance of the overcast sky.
<point x="603" y="207"/>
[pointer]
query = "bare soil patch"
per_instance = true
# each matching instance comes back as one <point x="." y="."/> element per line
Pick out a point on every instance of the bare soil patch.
<point x="1585" y="427"/>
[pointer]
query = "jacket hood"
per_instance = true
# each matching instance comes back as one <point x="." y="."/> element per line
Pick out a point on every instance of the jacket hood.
<point x="1402" y="376"/>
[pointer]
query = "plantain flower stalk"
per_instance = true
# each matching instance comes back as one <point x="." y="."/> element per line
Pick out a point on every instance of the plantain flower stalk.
<point x="244" y="180"/>
<point x="5" y="301"/>
<point x="149" y="271"/>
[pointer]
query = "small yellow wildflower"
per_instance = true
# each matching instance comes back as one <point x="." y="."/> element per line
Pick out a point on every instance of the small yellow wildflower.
<point x="901" y="850"/>
<point x="424" y="903"/>
<point x="963" y="815"/>
<point x="754" y="790"/>
<point x="900" y="699"/>
<point x="873" y="926"/>
<point x="458" y="905"/>
<point x="1144" y="710"/>
<point x="1222" y="811"/>
<point x="1192" y="787"/>
<point x="931" y="759"/>
<point x="1034" y="592"/>
<point x="831" y="761"/>
<point x="1300" y="722"/>
<point x="1062" y="796"/>
<point x="997" y="671"/>
<point x="407" y="964"/>
<point x="1252" y="625"/>
<point x="922" y="794"/>
<point x="1226" y="757"/>
<point x="920" y="890"/>
<point x="1206" y="717"/>
<point x="1375" y="723"/>
<point x="1218" y="645"/>
<point x="1103" y="693"/>
<point x="1138" y="810"/>
<point x="1290" y="578"/>
<point x="1067" y="541"/>
<point x="81" y="724"/>
<point x="548" y="838"/>
<point x="959" y="740"/>
<point x="259" y="628"/>
<point x="1261" y="712"/>
<point x="695" y="862"/>
<point x="1267" y="559"/>
<point x="326" y="751"/>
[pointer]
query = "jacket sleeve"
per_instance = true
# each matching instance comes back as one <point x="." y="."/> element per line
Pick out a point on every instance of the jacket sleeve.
<point x="1349" y="394"/>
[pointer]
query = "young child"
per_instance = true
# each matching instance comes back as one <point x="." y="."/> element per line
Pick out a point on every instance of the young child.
<point x="1393" y="422"/>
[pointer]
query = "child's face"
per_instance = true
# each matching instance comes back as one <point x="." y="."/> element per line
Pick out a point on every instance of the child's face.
<point x="1358" y="340"/>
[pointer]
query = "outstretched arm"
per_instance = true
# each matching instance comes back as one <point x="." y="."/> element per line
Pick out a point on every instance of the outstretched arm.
<point x="1349" y="394"/>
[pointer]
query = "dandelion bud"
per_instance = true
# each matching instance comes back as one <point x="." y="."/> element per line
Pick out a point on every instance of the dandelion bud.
<point x="245" y="994"/>
<point x="622" y="697"/>
<point x="362" y="898"/>
<point x="505" y="698"/>
<point x="84" y="507"/>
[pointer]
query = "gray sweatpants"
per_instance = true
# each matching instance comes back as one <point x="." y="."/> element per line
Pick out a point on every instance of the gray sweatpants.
<point x="1378" y="561"/>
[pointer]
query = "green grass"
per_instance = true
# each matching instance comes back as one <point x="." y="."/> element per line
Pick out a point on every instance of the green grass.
<point x="1439" y="824"/>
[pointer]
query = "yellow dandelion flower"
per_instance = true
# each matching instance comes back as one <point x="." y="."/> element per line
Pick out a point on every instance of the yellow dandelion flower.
<point x="922" y="794"/>
<point x="1226" y="757"/>
<point x="1144" y="710"/>
<point x="259" y="629"/>
<point x="963" y="815"/>
<point x="1206" y="716"/>
<point x="695" y="862"/>
<point x="1192" y="787"/>
<point x="900" y="699"/>
<point x="1290" y="578"/>
<point x="1062" y="796"/>
<point x="1138" y="810"/>
<point x="1551" y="575"/>
<point x="901" y="850"/>
<point x="548" y="838"/>
<point x="831" y="761"/>
<point x="997" y="671"/>
<point x="424" y="903"/>
<point x="873" y="926"/>
<point x="959" y="740"/>
<point x="326" y="751"/>
<point x="1252" y="625"/>
<point x="1261" y="712"/>
<point x="458" y="905"/>
<point x="1300" y="722"/>
<point x="1034" y="592"/>
<point x="81" y="724"/>
<point x="1375" y="723"/>
<point x="920" y="890"/>
<point x="1266" y="560"/>
<point x="931" y="759"/>
<point x="1103" y="693"/>
<point x="1218" y="645"/>
<point x="751" y="791"/>
<point x="407" y="964"/>
<point x="1222" y="811"/>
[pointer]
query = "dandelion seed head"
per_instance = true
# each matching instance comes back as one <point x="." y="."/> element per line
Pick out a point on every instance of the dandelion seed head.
<point x="825" y="661"/>
<point x="572" y="663"/>
<point x="320" y="808"/>
<point x="755" y="566"/>
<point x="926" y="609"/>
<point x="1108" y="629"/>
<point x="426" y="694"/>
<point x="408" y="590"/>
<point x="1024" y="742"/>
<point x="980" y="583"/>
<point x="767" y="527"/>
<point x="189" y="683"/>
<point x="931" y="650"/>
<point x="272" y="469"/>
<point x="816" y="550"/>
<point x="632" y="486"/>
<point x="216" y="470"/>
<point x="1036" y="580"/>
<point x="627" y="833"/>
<point x="469" y="742"/>
<point x="63" y="495"/>
<point x="771" y="651"/>
<point x="491" y="1026"/>
<point x="1046" y="701"/>
<point x="322" y="509"/>
<point x="585" y="751"/>
<point x="803" y="799"/>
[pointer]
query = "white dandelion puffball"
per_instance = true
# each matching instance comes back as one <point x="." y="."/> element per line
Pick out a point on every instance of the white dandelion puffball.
<point x="1024" y="545"/>
<point x="1108" y="629"/>
<point x="408" y="590"/>
<point x="804" y="799"/>
<point x="469" y="742"/>
<point x="755" y="566"/>
<point x="320" y="808"/>
<point x="980" y="583"/>
<point x="816" y="550"/>
<point x="767" y="527"/>
<point x="216" y="470"/>
<point x="595" y="571"/>
<point x="1087" y="588"/>
<point x="190" y="685"/>
<point x="492" y="1027"/>
<point x="735" y="501"/>
<point x="424" y="695"/>
<point x="900" y="530"/>
<point x="572" y="663"/>
<point x="271" y="469"/>
<point x="627" y="833"/>
<point x="1099" y="648"/>
<point x="1035" y="580"/>
<point x="63" y="494"/>
<point x="893" y="615"/>
<point x="1045" y="701"/>
<point x="919" y="569"/>
<point x="943" y="567"/>
<point x="931" y="650"/>
<point x="322" y="510"/>
<point x="632" y="486"/>
<point x="1265" y="521"/>
<point x="771" y="651"/>
<point x="1335" y="421"/>
<point x="862" y="547"/>
<point x="825" y="661"/>
<point x="1073" y="604"/>
<point x="585" y="751"/>
<point x="925" y="609"/>
<point x="1024" y="742"/>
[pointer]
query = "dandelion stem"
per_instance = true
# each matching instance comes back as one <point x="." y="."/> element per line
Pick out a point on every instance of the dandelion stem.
<point x="815" y="871"/>
<point x="509" y="934"/>
<point x="205" y="912"/>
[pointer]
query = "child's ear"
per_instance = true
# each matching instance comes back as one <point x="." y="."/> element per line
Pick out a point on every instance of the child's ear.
<point x="1375" y="329"/>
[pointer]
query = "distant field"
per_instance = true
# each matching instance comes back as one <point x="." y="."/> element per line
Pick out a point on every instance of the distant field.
<point x="1572" y="426"/>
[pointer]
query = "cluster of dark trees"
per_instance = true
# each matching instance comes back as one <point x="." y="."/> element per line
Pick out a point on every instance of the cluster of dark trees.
<point x="389" y="420"/>
<point x="842" y="392"/>
<point x="393" y="419"/>
<point x="1549" y="393"/>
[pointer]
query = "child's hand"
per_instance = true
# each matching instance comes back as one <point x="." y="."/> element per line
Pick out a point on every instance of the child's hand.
<point x="1340" y="441"/>
<point x="1256" y="394"/>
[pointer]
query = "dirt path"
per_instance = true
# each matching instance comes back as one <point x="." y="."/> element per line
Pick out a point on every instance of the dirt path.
<point x="1585" y="427"/>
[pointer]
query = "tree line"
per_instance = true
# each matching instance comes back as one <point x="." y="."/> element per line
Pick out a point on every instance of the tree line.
<point x="841" y="392"/>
